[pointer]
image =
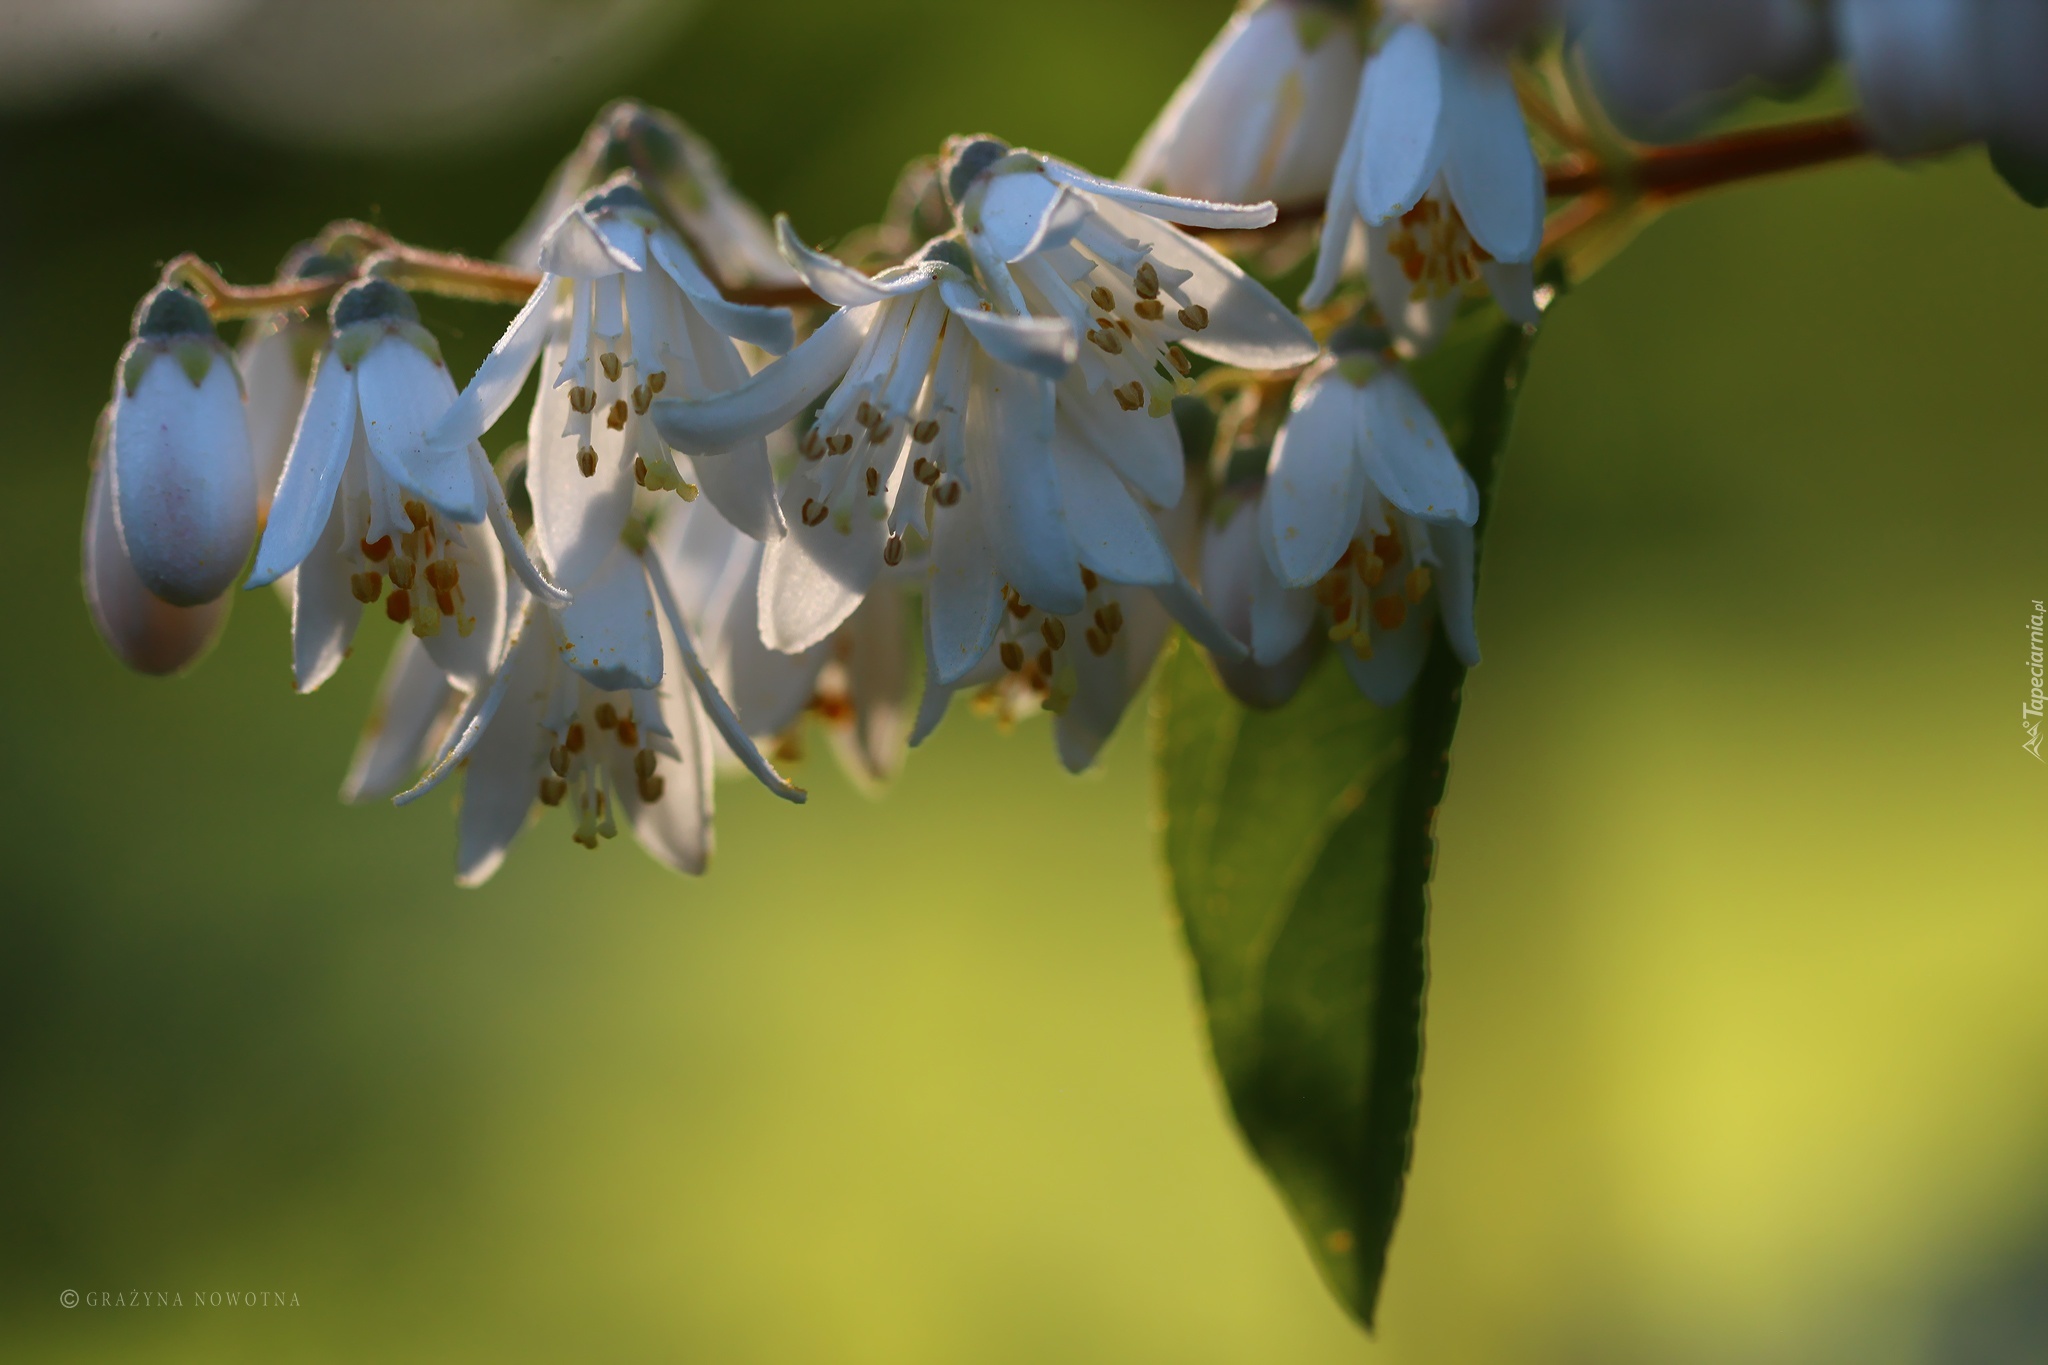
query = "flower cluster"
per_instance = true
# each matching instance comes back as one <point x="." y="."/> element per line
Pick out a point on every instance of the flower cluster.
<point x="1057" y="421"/>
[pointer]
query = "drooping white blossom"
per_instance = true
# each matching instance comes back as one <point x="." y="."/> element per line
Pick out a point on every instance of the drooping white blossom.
<point x="622" y="314"/>
<point x="1439" y="170"/>
<point x="609" y="745"/>
<point x="1935" y="74"/>
<point x="1662" y="67"/>
<point x="276" y="354"/>
<point x="366" y="502"/>
<point x="1263" y="114"/>
<point x="182" y="480"/>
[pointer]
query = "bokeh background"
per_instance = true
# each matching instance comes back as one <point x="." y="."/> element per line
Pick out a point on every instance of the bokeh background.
<point x="1738" y="1030"/>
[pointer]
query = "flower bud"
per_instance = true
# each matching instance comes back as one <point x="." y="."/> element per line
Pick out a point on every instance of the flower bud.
<point x="145" y="632"/>
<point x="184" y="482"/>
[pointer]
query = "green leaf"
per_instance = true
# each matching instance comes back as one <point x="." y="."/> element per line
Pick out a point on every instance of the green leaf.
<point x="1299" y="844"/>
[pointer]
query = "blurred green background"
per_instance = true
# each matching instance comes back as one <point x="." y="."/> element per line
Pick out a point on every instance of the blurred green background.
<point x="1738" y="1030"/>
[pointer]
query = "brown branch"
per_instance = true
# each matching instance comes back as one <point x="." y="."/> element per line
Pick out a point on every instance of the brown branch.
<point x="1673" y="172"/>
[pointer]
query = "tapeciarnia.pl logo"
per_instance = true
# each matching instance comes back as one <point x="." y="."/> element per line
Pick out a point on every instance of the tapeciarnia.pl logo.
<point x="2030" y="714"/>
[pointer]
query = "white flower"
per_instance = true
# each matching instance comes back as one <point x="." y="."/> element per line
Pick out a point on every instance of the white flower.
<point x="365" y="501"/>
<point x="1661" y="67"/>
<point x="1263" y="114"/>
<point x="1933" y="74"/>
<point x="178" y="462"/>
<point x="145" y="632"/>
<point x="1365" y="523"/>
<point x="623" y="314"/>
<point x="1357" y="434"/>
<point x="1084" y="666"/>
<point x="962" y="419"/>
<point x="1439" y="168"/>
<point x="617" y="748"/>
<point x="1238" y="583"/>
<point x="1496" y="25"/>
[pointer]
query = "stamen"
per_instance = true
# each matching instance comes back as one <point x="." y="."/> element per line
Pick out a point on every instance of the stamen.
<point x="925" y="432"/>
<point x="840" y="444"/>
<point x="1099" y="642"/>
<point x="609" y="363"/>
<point x="1044" y="662"/>
<point x="366" y="587"/>
<point x="892" y="550"/>
<point x="582" y="400"/>
<point x="402" y="571"/>
<point x="657" y="381"/>
<point x="1152" y="310"/>
<point x="586" y="461"/>
<point x="1194" y="317"/>
<point x="925" y="472"/>
<point x="552" y="790"/>
<point x="1130" y="397"/>
<point x="873" y="480"/>
<point x="1104" y="300"/>
<point x="642" y="396"/>
<point x="946" y="494"/>
<point x="1012" y="655"/>
<point x="606" y="715"/>
<point x="1054" y="630"/>
<point x="376" y="551"/>
<point x="815" y="512"/>
<point x="1390" y="611"/>
<point x="398" y="606"/>
<point x="1146" y="282"/>
<point x="1417" y="586"/>
<point x="812" y="446"/>
<point x="629" y="735"/>
<point x="1107" y="341"/>
<point x="616" y="418"/>
<point x="574" y="739"/>
<point x="1088" y="578"/>
<point x="643" y="763"/>
<point x="1180" y="360"/>
<point x="639" y="470"/>
<point x="558" y="759"/>
<point x="416" y="512"/>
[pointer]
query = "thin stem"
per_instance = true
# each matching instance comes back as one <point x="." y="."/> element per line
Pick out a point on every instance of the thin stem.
<point x="1669" y="173"/>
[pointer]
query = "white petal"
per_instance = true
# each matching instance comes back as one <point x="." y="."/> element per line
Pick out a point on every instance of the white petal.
<point x="413" y="703"/>
<point x="738" y="481"/>
<point x="814" y="577"/>
<point x="1404" y="122"/>
<point x="535" y="627"/>
<point x="184" y="480"/>
<point x="1009" y="456"/>
<point x="1107" y="683"/>
<point x="1314" y="482"/>
<point x="325" y="612"/>
<point x="402" y="395"/>
<point x="575" y="249"/>
<point x="1186" y="606"/>
<point x="502" y="772"/>
<point x="1009" y="213"/>
<point x="1044" y="346"/>
<point x="676" y="830"/>
<point x="610" y="630"/>
<point x="312" y="472"/>
<point x="498" y="380"/>
<point x="964" y="606"/>
<point x="1247" y="325"/>
<point x="1281" y="618"/>
<point x="1488" y="163"/>
<point x="715" y="706"/>
<point x="1397" y="657"/>
<point x="1170" y="208"/>
<point x="1145" y="449"/>
<point x="467" y="659"/>
<point x="840" y="284"/>
<point x="576" y="518"/>
<point x="772" y="397"/>
<point x="145" y="632"/>
<point x="875" y="653"/>
<point x="1340" y="208"/>
<point x="1513" y="287"/>
<point x="1408" y="457"/>
<point x="275" y="378"/>
<point x="1454" y="586"/>
<point x="772" y="329"/>
<point x="1111" y="534"/>
<point x="768" y="689"/>
<point x="509" y="540"/>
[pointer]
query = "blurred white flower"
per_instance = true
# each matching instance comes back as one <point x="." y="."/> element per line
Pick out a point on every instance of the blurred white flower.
<point x="182" y="479"/>
<point x="1662" y="67"/>
<point x="1263" y="114"/>
<point x="1439" y="168"/>
<point x="1935" y="74"/>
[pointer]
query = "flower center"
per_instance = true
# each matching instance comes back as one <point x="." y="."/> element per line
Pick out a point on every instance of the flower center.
<point x="1032" y="648"/>
<point x="580" y="767"/>
<point x="1435" y="250"/>
<point x="426" y="581"/>
<point x="1367" y="589"/>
